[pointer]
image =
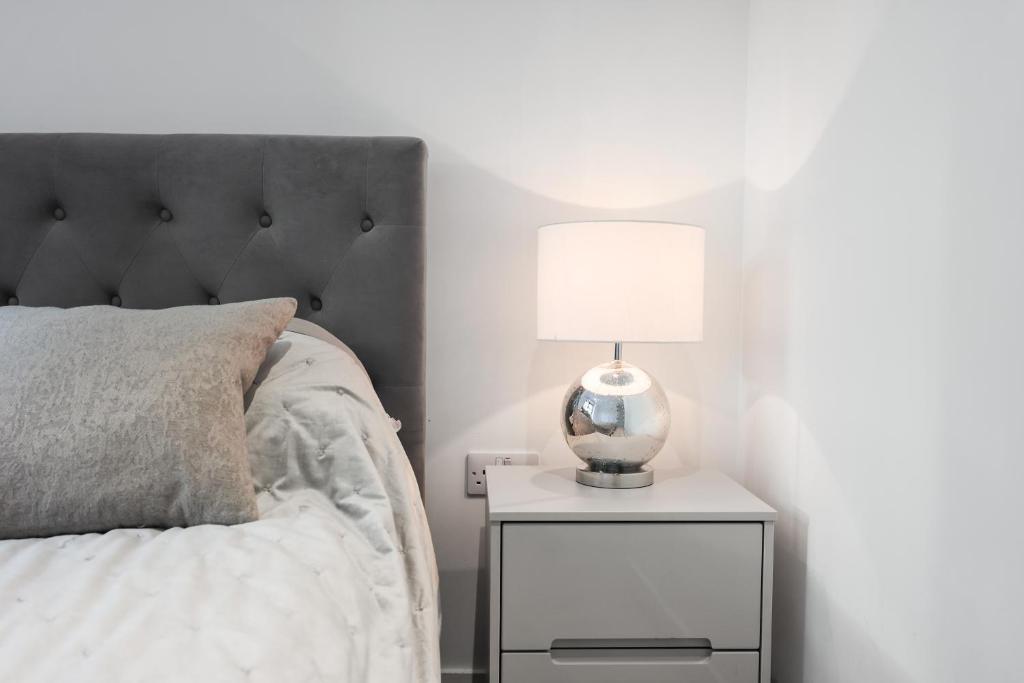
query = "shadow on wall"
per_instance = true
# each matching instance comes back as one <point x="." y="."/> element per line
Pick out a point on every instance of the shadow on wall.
<point x="843" y="419"/>
<point x="482" y="633"/>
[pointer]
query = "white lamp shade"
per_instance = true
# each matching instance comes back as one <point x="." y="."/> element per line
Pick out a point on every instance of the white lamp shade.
<point x="620" y="281"/>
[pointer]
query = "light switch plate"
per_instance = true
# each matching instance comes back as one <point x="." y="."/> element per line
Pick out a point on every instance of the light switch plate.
<point x="477" y="463"/>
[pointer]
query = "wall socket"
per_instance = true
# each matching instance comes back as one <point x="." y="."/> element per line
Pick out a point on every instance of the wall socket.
<point x="477" y="464"/>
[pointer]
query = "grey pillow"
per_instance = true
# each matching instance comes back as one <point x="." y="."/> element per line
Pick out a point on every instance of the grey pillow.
<point x="125" y="418"/>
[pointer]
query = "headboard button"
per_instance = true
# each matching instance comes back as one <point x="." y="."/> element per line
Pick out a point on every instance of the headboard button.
<point x="115" y="300"/>
<point x="59" y="214"/>
<point x="266" y="221"/>
<point x="316" y="304"/>
<point x="166" y="215"/>
<point x="214" y="301"/>
<point x="13" y="301"/>
<point x="367" y="224"/>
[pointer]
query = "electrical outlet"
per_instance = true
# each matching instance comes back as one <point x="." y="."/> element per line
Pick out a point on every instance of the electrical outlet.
<point x="477" y="464"/>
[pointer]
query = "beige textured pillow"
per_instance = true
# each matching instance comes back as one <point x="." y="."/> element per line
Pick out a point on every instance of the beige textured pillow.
<point x="126" y="418"/>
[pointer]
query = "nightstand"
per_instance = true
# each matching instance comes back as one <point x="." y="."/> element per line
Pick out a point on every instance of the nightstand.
<point x="672" y="582"/>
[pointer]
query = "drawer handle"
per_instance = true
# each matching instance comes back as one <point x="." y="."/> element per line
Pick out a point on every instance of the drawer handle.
<point x="629" y="643"/>
<point x="636" y="655"/>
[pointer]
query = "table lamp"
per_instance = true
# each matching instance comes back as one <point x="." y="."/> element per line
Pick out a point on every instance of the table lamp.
<point x="618" y="281"/>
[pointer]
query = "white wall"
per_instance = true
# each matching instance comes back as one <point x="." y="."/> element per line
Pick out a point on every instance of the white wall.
<point x="535" y="111"/>
<point x="883" y="334"/>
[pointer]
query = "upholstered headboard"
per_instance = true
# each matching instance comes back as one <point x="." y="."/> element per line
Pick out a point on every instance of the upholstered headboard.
<point x="152" y="221"/>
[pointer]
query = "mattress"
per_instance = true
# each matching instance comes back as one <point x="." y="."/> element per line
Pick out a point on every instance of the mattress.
<point x="335" y="582"/>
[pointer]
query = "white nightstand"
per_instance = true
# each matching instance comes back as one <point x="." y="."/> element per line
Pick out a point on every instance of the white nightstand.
<point x="672" y="582"/>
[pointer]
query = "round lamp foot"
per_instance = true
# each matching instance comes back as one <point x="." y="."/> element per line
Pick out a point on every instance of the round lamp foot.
<point x="620" y="480"/>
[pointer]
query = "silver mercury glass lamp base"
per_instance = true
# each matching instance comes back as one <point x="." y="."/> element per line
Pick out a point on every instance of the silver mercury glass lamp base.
<point x="615" y="418"/>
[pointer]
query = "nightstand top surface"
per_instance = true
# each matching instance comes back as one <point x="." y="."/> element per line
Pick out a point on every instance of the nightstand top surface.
<point x="536" y="494"/>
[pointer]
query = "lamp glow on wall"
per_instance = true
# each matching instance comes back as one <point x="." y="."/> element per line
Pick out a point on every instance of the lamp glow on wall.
<point x="618" y="281"/>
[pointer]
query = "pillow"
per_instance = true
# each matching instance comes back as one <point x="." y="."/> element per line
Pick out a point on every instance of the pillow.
<point x="128" y="418"/>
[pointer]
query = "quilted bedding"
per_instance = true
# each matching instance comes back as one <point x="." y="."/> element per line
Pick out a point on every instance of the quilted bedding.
<point x="335" y="582"/>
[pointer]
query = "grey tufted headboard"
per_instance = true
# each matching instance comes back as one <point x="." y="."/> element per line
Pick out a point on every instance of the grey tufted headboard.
<point x="151" y="221"/>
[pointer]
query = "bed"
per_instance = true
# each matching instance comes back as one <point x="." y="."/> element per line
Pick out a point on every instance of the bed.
<point x="336" y="580"/>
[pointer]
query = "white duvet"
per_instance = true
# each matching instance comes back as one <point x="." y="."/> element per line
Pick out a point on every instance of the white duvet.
<point x="335" y="582"/>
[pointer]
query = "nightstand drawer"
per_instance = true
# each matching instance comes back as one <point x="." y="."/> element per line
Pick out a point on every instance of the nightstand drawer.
<point x="598" y="581"/>
<point x="619" y="666"/>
